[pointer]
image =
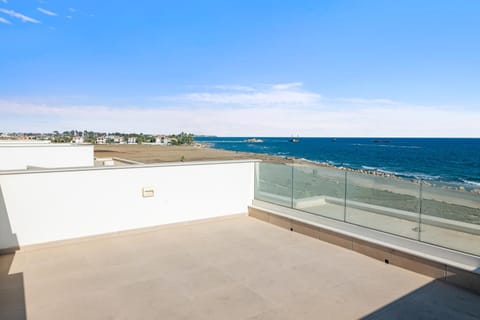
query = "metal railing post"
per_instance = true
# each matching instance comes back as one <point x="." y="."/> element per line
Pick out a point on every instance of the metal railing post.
<point x="420" y="203"/>
<point x="291" y="198"/>
<point x="345" y="199"/>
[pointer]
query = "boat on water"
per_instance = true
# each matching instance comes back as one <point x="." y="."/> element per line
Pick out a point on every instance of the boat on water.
<point x="295" y="140"/>
<point x="254" y="140"/>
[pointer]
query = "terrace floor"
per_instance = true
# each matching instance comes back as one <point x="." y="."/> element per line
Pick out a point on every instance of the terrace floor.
<point x="231" y="268"/>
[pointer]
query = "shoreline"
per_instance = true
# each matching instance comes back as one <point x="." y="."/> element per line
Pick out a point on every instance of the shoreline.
<point x="199" y="151"/>
<point x="312" y="163"/>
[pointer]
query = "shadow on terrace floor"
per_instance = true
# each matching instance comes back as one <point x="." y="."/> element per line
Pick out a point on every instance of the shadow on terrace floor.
<point x="12" y="293"/>
<point x="435" y="300"/>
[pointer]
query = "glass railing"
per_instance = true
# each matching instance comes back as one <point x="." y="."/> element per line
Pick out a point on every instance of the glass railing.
<point x="434" y="213"/>
<point x="319" y="191"/>
<point x="383" y="203"/>
<point x="273" y="183"/>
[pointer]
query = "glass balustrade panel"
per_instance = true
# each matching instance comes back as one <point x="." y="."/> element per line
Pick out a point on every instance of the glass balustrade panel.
<point x="386" y="204"/>
<point x="320" y="191"/>
<point x="451" y="217"/>
<point x="273" y="183"/>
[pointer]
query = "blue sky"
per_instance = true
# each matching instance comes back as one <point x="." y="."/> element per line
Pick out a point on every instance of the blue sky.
<point x="265" y="68"/>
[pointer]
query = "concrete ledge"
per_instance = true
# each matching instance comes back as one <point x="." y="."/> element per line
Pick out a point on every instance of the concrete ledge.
<point x="463" y="278"/>
<point x="424" y="266"/>
<point x="130" y="167"/>
<point x="442" y="271"/>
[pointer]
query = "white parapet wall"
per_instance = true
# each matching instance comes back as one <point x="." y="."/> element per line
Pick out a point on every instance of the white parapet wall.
<point x="49" y="205"/>
<point x="23" y="142"/>
<point x="21" y="156"/>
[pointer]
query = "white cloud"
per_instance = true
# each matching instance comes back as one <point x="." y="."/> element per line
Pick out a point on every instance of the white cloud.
<point x="47" y="12"/>
<point x="275" y="95"/>
<point x="72" y="9"/>
<point x="366" y="101"/>
<point x="4" y="1"/>
<point x="234" y="88"/>
<point x="3" y="20"/>
<point x="17" y="15"/>
<point x="287" y="86"/>
<point x="255" y="99"/>
<point x="361" y="119"/>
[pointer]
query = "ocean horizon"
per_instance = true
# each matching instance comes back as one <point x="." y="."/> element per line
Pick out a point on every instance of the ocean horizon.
<point x="448" y="160"/>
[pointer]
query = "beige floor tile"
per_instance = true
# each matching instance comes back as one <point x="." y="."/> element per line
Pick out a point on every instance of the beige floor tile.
<point x="202" y="281"/>
<point x="231" y="302"/>
<point x="237" y="268"/>
<point x="273" y="314"/>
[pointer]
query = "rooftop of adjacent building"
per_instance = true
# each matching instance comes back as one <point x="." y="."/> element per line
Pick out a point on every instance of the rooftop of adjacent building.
<point x="233" y="267"/>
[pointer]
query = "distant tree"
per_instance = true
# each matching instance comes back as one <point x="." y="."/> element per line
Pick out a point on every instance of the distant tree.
<point x="90" y="138"/>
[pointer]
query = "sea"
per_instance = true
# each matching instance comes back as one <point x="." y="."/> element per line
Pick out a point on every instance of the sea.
<point x="448" y="160"/>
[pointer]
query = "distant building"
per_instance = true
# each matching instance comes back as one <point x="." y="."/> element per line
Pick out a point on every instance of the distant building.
<point x="101" y="140"/>
<point x="132" y="140"/>
<point x="163" y="140"/>
<point x="118" y="139"/>
<point x="78" y="140"/>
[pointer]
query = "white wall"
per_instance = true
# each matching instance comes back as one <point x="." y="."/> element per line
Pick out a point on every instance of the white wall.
<point x="23" y="142"/>
<point x="61" y="204"/>
<point x="20" y="156"/>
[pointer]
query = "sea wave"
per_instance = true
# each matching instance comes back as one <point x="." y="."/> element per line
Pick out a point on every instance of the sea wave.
<point x="363" y="144"/>
<point x="400" y="147"/>
<point x="473" y="183"/>
<point x="423" y="176"/>
<point x="333" y="163"/>
<point x="221" y="141"/>
<point x="414" y="175"/>
<point x="386" y="146"/>
<point x="410" y="175"/>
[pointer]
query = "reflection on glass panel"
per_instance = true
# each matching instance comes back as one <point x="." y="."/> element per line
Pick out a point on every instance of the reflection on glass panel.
<point x="383" y="203"/>
<point x="434" y="213"/>
<point x="273" y="183"/>
<point x="450" y="217"/>
<point x="320" y="191"/>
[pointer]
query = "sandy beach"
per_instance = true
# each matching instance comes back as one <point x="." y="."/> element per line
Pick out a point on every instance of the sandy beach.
<point x="157" y="153"/>
<point x="150" y="153"/>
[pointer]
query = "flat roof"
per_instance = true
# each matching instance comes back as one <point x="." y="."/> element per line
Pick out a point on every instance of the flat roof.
<point x="131" y="167"/>
<point x="226" y="268"/>
<point x="42" y="145"/>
